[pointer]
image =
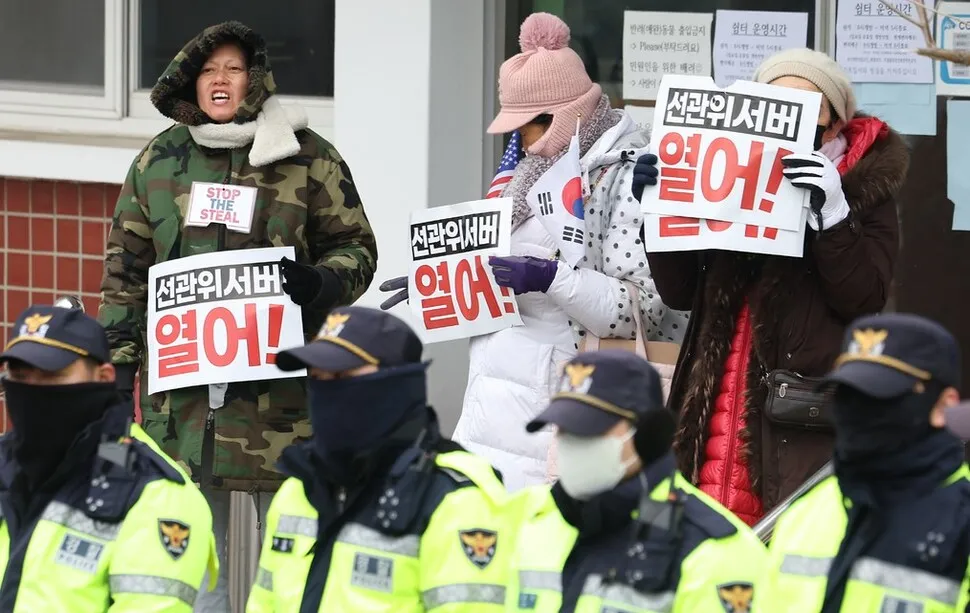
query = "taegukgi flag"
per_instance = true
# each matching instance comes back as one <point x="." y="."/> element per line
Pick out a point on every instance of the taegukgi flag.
<point x="557" y="201"/>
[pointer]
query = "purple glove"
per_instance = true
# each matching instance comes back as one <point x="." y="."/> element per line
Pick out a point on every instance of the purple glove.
<point x="523" y="274"/>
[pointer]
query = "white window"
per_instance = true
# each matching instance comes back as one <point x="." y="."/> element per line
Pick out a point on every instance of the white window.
<point x="62" y="57"/>
<point x="87" y="66"/>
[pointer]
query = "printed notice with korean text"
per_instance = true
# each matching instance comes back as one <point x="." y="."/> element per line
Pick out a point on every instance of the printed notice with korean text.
<point x="657" y="44"/>
<point x="744" y="39"/>
<point x="874" y="44"/>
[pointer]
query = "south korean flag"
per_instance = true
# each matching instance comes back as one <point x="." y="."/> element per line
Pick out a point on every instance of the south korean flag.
<point x="556" y="200"/>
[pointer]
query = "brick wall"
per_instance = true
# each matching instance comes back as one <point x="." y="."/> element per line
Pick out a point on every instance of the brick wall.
<point x="52" y="239"/>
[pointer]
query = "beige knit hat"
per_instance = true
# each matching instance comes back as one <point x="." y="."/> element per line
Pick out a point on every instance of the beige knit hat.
<point x="816" y="67"/>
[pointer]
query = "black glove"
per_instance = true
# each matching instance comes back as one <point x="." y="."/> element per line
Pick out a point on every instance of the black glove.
<point x="125" y="382"/>
<point x="310" y="286"/>
<point x="644" y="173"/>
<point x="397" y="283"/>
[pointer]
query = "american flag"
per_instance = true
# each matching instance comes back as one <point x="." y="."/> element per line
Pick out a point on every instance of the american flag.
<point x="510" y="159"/>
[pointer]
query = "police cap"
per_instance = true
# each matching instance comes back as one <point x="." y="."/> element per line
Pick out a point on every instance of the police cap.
<point x="353" y="337"/>
<point x="52" y="338"/>
<point x="888" y="355"/>
<point x="600" y="388"/>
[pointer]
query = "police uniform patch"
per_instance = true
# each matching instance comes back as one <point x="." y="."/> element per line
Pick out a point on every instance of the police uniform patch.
<point x="736" y="597"/>
<point x="334" y="325"/>
<point x="479" y="545"/>
<point x="373" y="573"/>
<point x="577" y="379"/>
<point x="282" y="544"/>
<point x="78" y="553"/>
<point x="175" y="537"/>
<point x="35" y="325"/>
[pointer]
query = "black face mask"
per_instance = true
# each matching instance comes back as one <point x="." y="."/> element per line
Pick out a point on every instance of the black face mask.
<point x="867" y="428"/>
<point x="819" y="131"/>
<point x="48" y="418"/>
<point x="355" y="414"/>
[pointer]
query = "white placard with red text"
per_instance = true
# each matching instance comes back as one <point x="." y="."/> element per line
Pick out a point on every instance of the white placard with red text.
<point x="453" y="293"/>
<point x="219" y="318"/>
<point x="720" y="156"/>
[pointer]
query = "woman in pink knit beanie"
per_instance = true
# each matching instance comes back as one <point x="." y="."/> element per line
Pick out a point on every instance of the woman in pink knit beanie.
<point x="513" y="372"/>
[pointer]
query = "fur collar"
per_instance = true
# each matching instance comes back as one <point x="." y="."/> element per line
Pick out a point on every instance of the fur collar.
<point x="273" y="134"/>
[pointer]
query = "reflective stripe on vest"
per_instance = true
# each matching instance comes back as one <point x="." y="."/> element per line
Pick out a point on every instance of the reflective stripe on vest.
<point x="659" y="602"/>
<point x="155" y="586"/>
<point x="362" y="536"/>
<point x="883" y="574"/>
<point x="298" y="525"/>
<point x="481" y="593"/>
<point x="264" y="579"/>
<point x="75" y="519"/>
<point x="540" y="580"/>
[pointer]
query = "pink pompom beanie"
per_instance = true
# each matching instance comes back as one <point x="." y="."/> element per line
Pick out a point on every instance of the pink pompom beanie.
<point x="546" y="78"/>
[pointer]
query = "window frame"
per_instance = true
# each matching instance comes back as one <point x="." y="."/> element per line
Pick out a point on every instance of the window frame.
<point x="124" y="111"/>
<point x="110" y="105"/>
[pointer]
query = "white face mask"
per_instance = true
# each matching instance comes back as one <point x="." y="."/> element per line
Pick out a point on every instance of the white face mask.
<point x="590" y="466"/>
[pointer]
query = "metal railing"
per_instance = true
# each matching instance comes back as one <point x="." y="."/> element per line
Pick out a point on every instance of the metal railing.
<point x="766" y="527"/>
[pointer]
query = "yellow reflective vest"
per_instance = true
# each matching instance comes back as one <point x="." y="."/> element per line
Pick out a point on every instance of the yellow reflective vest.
<point x="716" y="564"/>
<point x="911" y="568"/>
<point x="112" y="537"/>
<point x="453" y="557"/>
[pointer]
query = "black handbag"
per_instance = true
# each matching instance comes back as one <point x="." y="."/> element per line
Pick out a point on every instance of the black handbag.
<point x="793" y="402"/>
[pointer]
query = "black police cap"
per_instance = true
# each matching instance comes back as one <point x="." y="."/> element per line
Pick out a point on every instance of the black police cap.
<point x="599" y="389"/>
<point x="888" y="355"/>
<point x="52" y="338"/>
<point x="353" y="337"/>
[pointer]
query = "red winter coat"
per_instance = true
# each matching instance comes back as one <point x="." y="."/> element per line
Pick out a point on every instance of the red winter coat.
<point x="754" y="314"/>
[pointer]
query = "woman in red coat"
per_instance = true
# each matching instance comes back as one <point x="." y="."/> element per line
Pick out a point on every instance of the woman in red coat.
<point x="752" y="314"/>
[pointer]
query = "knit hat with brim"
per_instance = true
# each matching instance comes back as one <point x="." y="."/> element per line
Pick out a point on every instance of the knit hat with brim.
<point x="546" y="78"/>
<point x="817" y="68"/>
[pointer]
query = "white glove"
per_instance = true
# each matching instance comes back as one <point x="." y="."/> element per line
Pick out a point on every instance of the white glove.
<point x="816" y="173"/>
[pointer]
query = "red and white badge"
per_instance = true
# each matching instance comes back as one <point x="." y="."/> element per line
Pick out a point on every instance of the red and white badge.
<point x="232" y="205"/>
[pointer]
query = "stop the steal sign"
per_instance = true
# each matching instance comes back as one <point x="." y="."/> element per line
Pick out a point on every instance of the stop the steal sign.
<point x="231" y="205"/>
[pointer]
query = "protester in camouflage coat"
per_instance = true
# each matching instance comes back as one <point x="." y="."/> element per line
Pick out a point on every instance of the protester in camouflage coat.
<point x="306" y="199"/>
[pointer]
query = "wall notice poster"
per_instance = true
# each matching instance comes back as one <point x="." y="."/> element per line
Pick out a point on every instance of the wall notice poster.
<point x="453" y="293"/>
<point x="721" y="178"/>
<point x="219" y="318"/>
<point x="659" y="43"/>
<point x="874" y="44"/>
<point x="953" y="33"/>
<point x="743" y="39"/>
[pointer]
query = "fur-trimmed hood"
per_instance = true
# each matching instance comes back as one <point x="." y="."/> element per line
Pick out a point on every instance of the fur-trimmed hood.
<point x="174" y="92"/>
<point x="799" y="308"/>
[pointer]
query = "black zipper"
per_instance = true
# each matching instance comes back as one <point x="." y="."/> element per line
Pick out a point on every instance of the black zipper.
<point x="316" y="582"/>
<point x="209" y="433"/>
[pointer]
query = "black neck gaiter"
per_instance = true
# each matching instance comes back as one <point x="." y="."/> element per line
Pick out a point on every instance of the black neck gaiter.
<point x="47" y="419"/>
<point x="353" y="417"/>
<point x="886" y="453"/>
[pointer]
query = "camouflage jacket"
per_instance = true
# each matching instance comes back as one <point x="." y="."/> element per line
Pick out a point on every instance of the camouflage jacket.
<point x="307" y="200"/>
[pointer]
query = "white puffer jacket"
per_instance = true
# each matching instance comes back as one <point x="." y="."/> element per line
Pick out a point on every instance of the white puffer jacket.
<point x="513" y="372"/>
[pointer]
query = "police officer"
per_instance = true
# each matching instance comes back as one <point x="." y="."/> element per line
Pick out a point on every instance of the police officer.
<point x="890" y="530"/>
<point x="380" y="512"/>
<point x="93" y="519"/>
<point x="581" y="548"/>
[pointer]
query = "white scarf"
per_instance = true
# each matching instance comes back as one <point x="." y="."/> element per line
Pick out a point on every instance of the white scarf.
<point x="273" y="134"/>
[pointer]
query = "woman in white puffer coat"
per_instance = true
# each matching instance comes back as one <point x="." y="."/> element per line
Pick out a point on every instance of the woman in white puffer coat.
<point x="513" y="372"/>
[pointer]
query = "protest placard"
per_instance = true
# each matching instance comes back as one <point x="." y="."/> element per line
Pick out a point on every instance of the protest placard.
<point x="709" y="140"/>
<point x="219" y="318"/>
<point x="672" y="233"/>
<point x="232" y="205"/>
<point x="453" y="291"/>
